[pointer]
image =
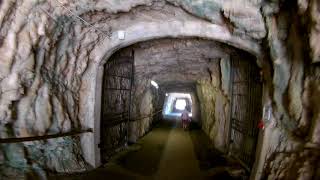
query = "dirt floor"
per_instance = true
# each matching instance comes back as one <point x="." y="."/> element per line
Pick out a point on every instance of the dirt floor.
<point x="168" y="152"/>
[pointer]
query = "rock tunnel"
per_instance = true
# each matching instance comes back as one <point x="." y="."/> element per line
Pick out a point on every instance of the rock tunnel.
<point x="89" y="84"/>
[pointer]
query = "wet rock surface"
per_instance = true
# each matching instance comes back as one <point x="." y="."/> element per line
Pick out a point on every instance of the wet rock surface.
<point x="213" y="162"/>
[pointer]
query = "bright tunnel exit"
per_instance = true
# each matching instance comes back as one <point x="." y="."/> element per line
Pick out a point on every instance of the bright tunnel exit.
<point x="181" y="104"/>
<point x="175" y="103"/>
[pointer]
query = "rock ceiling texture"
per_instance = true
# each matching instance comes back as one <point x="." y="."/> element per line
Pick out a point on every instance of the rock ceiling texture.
<point x="184" y="60"/>
<point x="53" y="50"/>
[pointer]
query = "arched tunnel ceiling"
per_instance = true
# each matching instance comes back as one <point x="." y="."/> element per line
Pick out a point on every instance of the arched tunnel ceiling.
<point x="180" y="60"/>
<point x="54" y="49"/>
<point x="178" y="86"/>
<point x="238" y="15"/>
<point x="52" y="52"/>
<point x="72" y="34"/>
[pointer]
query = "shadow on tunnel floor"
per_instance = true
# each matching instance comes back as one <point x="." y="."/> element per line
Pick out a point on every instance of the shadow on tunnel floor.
<point x="138" y="161"/>
<point x="141" y="160"/>
<point x="150" y="149"/>
<point x="213" y="162"/>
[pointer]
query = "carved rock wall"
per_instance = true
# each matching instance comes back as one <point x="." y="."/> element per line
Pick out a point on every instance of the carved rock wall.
<point x="46" y="53"/>
<point x="289" y="148"/>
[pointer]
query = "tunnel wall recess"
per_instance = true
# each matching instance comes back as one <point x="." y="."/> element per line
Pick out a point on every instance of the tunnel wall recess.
<point x="116" y="103"/>
<point x="245" y="110"/>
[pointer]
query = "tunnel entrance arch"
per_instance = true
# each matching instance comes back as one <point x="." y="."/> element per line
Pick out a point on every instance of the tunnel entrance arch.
<point x="91" y="85"/>
<point x="239" y="116"/>
<point x="245" y="111"/>
<point x="116" y="103"/>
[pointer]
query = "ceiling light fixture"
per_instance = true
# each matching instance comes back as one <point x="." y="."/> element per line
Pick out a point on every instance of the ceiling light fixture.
<point x="153" y="83"/>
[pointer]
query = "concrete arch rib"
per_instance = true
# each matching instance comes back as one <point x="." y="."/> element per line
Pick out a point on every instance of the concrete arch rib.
<point x="90" y="94"/>
<point x="144" y="31"/>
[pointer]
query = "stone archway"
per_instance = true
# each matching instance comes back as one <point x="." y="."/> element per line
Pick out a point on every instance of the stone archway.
<point x="90" y="92"/>
<point x="48" y="44"/>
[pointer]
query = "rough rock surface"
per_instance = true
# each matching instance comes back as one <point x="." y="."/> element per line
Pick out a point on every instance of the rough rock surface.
<point x="178" y="60"/>
<point x="172" y="60"/>
<point x="49" y="61"/>
<point x="215" y="98"/>
<point x="289" y="135"/>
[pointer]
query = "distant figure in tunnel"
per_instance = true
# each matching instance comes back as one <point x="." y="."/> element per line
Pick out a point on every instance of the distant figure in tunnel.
<point x="185" y="119"/>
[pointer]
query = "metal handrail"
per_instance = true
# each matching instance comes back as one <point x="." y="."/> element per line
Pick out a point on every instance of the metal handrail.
<point x="116" y="121"/>
<point x="44" y="137"/>
<point x="52" y="136"/>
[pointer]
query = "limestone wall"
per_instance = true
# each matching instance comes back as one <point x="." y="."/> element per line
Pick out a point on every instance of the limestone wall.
<point x="143" y="108"/>
<point x="215" y="98"/>
<point x="288" y="149"/>
<point x="50" y="61"/>
<point x="214" y="107"/>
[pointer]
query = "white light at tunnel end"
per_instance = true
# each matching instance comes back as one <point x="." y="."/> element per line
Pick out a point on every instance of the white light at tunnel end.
<point x="153" y="83"/>
<point x="181" y="104"/>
